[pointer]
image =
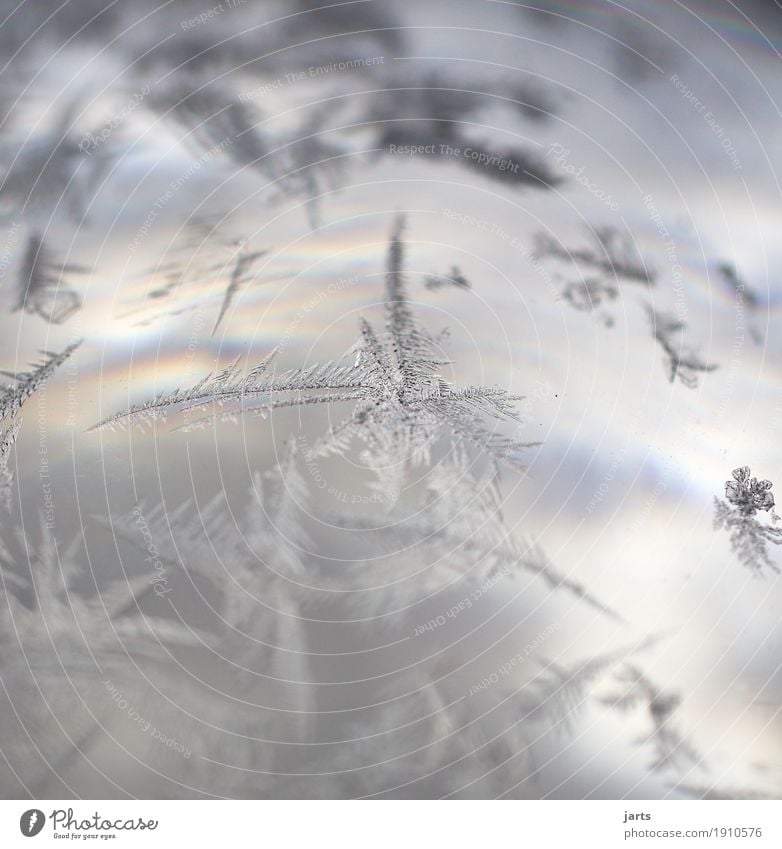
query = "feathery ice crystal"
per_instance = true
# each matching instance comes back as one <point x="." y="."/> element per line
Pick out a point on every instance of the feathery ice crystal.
<point x="11" y="400"/>
<point x="402" y="404"/>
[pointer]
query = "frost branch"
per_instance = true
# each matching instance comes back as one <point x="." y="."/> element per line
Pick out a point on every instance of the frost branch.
<point x="11" y="400"/>
<point x="402" y="403"/>
<point x="683" y="362"/>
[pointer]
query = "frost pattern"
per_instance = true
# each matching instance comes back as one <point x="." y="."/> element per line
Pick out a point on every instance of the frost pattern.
<point x="71" y="637"/>
<point x="7" y="441"/>
<point x="49" y="169"/>
<point x="683" y="362"/>
<point x="11" y="400"/>
<point x="748" y="494"/>
<point x="460" y="516"/>
<point x="42" y="289"/>
<point x="589" y="293"/>
<point x="749" y="538"/>
<point x="402" y="403"/>
<point x="238" y="277"/>
<point x="633" y="690"/>
<point x="58" y="615"/>
<point x="212" y="253"/>
<point x="401" y="406"/>
<point x="613" y="252"/>
<point x="454" y="278"/>
<point x="219" y="124"/>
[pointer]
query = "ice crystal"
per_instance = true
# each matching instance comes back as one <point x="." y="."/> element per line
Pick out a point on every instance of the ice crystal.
<point x="26" y="383"/>
<point x="745" y="297"/>
<point x="7" y="441"/>
<point x="614" y="253"/>
<point x="50" y="169"/>
<point x="218" y="123"/>
<point x="211" y="252"/>
<point x="42" y="288"/>
<point x="739" y="287"/>
<point x="748" y="494"/>
<point x="11" y="400"/>
<point x="249" y="561"/>
<point x="459" y="521"/>
<point x="635" y="689"/>
<point x="684" y="363"/>
<point x="60" y="638"/>
<point x="49" y="592"/>
<point x="453" y="278"/>
<point x="425" y="117"/>
<point x="589" y="293"/>
<point x="402" y="404"/>
<point x="749" y="538"/>
<point x="255" y="567"/>
<point x="239" y="275"/>
<point x="555" y="697"/>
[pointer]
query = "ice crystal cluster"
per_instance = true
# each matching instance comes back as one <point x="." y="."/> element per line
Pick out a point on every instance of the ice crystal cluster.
<point x="253" y="570"/>
<point x="401" y="408"/>
<point x="749" y="537"/>
<point x="747" y="494"/>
